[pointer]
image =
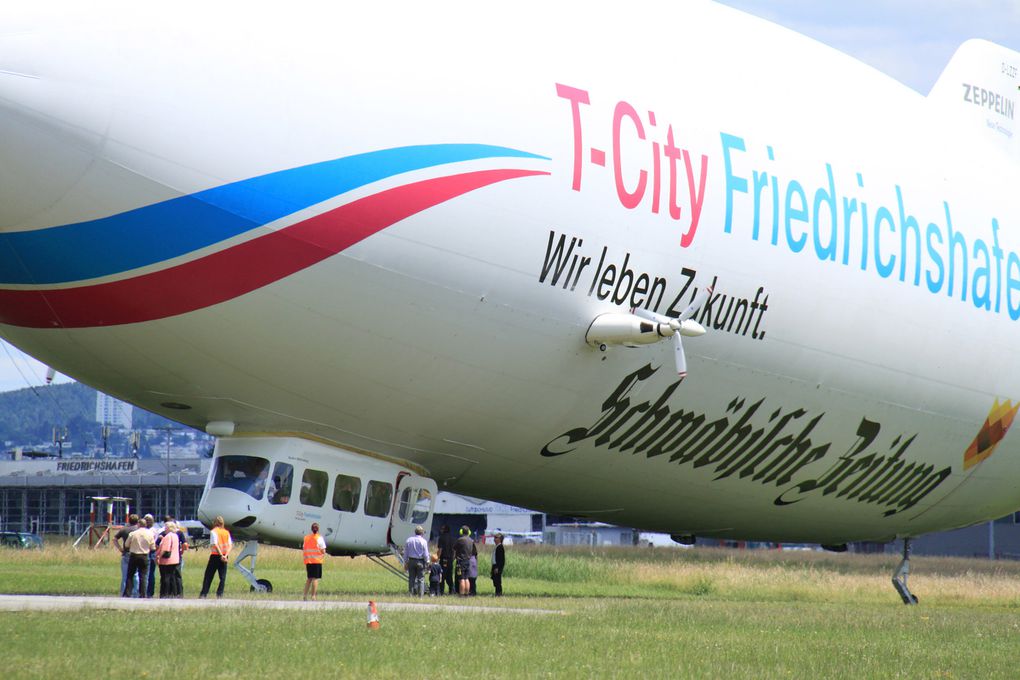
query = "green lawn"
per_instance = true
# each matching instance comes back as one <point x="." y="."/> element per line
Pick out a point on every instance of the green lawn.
<point x="626" y="613"/>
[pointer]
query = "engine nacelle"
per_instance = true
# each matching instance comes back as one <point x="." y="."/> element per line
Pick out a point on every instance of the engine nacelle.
<point x="616" y="328"/>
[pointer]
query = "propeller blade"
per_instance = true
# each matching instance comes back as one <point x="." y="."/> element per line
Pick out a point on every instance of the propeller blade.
<point x="681" y="359"/>
<point x="695" y="305"/>
<point x="649" y="315"/>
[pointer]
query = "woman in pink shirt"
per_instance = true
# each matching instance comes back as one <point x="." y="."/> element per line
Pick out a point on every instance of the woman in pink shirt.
<point x="168" y="557"/>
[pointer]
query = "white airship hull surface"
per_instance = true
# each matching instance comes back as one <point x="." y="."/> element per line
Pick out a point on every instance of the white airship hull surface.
<point x="417" y="220"/>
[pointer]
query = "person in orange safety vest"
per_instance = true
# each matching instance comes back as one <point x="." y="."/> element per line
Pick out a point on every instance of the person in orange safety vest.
<point x="315" y="554"/>
<point x="220" y="544"/>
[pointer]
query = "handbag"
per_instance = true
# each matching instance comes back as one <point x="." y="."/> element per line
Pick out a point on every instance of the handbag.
<point x="165" y="554"/>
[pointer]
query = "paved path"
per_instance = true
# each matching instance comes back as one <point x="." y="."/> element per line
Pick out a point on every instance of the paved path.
<point x="55" y="603"/>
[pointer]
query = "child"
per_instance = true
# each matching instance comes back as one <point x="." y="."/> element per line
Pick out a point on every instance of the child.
<point x="435" y="576"/>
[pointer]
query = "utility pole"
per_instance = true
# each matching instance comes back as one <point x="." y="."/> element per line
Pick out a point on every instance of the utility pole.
<point x="59" y="437"/>
<point x="166" y="491"/>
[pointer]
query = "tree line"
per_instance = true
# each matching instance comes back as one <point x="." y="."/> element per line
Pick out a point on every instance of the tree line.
<point x="28" y="416"/>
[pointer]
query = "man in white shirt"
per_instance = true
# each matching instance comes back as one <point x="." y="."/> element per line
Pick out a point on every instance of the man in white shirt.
<point x="140" y="543"/>
<point x="150" y="585"/>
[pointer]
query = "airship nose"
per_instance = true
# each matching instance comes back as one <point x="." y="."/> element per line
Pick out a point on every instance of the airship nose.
<point x="52" y="126"/>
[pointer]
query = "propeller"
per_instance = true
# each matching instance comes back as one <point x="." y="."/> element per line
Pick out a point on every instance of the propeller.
<point x="695" y="305"/>
<point x="682" y="325"/>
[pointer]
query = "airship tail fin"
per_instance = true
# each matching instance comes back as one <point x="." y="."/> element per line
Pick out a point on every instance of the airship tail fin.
<point x="981" y="88"/>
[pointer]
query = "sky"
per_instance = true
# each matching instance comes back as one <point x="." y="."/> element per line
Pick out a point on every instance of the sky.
<point x="910" y="40"/>
<point x="18" y="370"/>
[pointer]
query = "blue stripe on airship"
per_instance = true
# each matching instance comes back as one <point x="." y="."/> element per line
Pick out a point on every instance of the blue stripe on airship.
<point x="178" y="226"/>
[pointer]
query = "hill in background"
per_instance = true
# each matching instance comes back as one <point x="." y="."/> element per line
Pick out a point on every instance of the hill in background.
<point x="28" y="416"/>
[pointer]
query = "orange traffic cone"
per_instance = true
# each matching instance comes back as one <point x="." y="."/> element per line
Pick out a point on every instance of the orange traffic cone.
<point x="373" y="616"/>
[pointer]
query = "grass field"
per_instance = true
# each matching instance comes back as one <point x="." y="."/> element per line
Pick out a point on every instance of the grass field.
<point x="625" y="613"/>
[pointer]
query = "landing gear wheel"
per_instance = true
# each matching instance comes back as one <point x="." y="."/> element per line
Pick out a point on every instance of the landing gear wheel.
<point x="251" y="549"/>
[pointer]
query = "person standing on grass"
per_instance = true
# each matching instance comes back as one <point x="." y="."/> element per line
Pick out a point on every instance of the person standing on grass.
<point x="315" y="555"/>
<point x="416" y="556"/>
<point x="182" y="546"/>
<point x="462" y="550"/>
<point x="498" y="562"/>
<point x="140" y="544"/>
<point x="150" y="584"/>
<point x="435" y="577"/>
<point x="182" y="542"/>
<point x="182" y="539"/>
<point x="445" y="545"/>
<point x="220" y="544"/>
<point x="473" y="571"/>
<point x="120" y="541"/>
<point x="168" y="556"/>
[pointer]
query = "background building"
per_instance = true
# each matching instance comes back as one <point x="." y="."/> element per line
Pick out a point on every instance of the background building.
<point x="484" y="516"/>
<point x="52" y="496"/>
<point x="995" y="540"/>
<point x="110" y="411"/>
<point x="593" y="534"/>
<point x="41" y="493"/>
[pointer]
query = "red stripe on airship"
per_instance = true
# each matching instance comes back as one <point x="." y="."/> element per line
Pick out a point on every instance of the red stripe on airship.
<point x="230" y="273"/>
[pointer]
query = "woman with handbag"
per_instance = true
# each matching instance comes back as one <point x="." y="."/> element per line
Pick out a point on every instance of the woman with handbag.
<point x="168" y="556"/>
